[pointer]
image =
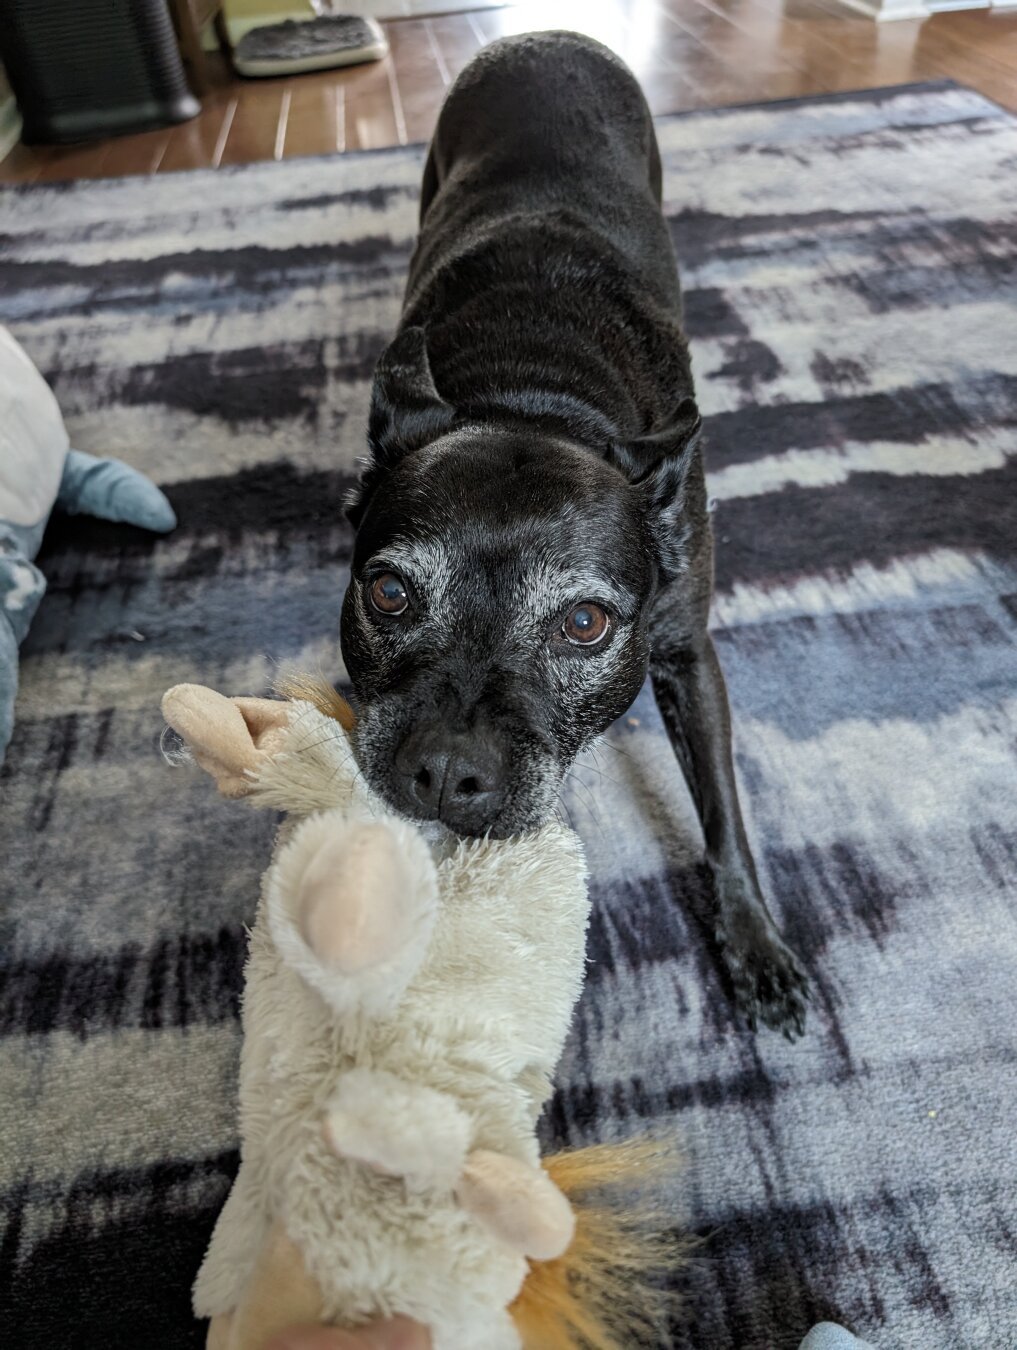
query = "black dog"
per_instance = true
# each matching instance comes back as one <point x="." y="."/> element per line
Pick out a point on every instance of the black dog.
<point x="532" y="529"/>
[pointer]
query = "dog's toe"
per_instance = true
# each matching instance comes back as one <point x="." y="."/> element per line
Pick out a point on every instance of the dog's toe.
<point x="769" y="986"/>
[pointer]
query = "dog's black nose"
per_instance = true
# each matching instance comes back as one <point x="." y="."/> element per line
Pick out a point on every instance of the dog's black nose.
<point x="453" y="777"/>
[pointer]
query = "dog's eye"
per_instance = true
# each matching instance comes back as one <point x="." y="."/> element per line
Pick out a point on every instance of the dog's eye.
<point x="388" y="594"/>
<point x="586" y="625"/>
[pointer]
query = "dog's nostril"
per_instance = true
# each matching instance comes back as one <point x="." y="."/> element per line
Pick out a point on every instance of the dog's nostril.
<point x="449" y="778"/>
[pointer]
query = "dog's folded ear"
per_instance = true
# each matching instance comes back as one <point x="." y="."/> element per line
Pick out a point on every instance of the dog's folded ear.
<point x="406" y="413"/>
<point x="406" y="409"/>
<point x="659" y="464"/>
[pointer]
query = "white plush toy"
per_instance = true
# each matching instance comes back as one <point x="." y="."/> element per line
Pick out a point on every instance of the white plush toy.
<point x="407" y="998"/>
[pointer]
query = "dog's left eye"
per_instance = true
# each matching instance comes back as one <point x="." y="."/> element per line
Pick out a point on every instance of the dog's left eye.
<point x="388" y="594"/>
<point x="586" y="625"/>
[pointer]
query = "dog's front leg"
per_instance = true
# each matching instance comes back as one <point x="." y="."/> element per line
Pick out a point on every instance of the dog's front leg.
<point x="769" y="986"/>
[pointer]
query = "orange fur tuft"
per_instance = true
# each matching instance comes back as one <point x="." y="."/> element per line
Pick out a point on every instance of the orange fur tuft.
<point x="608" y="1291"/>
<point x="321" y="694"/>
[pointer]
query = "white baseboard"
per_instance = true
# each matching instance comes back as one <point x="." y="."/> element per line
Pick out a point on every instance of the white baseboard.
<point x="886" y="11"/>
<point x="10" y="127"/>
<point x="896" y="9"/>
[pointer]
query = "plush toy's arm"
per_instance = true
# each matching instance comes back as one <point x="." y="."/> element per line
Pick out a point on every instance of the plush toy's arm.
<point x="230" y="738"/>
<point x="236" y="739"/>
<point x="410" y="1130"/>
<point x="112" y="490"/>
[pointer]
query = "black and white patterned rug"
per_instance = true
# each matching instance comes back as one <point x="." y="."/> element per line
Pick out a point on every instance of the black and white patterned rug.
<point x="849" y="271"/>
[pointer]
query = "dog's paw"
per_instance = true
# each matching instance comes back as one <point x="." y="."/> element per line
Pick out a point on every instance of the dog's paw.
<point x="769" y="985"/>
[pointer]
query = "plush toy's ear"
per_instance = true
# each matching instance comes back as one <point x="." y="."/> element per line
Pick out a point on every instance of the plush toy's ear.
<point x="658" y="464"/>
<point x="406" y="411"/>
<point x="230" y="738"/>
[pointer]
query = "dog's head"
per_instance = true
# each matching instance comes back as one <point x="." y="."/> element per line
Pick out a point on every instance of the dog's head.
<point x="496" y="619"/>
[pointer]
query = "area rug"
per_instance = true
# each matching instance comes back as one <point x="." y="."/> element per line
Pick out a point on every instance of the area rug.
<point x="849" y="273"/>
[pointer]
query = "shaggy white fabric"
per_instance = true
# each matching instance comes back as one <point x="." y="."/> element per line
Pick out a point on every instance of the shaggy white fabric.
<point x="448" y="1045"/>
<point x="399" y="1128"/>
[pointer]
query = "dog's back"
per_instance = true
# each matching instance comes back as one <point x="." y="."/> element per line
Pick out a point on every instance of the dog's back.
<point x="544" y="260"/>
<point x="549" y="120"/>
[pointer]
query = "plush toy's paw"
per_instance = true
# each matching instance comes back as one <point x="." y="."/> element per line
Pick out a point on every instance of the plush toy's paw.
<point x="399" y="1128"/>
<point x="354" y="897"/>
<point x="768" y="984"/>
<point x="518" y="1203"/>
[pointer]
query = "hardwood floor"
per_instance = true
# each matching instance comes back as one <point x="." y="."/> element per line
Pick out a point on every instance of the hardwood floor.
<point x="687" y="53"/>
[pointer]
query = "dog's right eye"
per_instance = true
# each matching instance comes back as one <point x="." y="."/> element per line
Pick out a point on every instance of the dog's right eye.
<point x="388" y="594"/>
<point x="586" y="625"/>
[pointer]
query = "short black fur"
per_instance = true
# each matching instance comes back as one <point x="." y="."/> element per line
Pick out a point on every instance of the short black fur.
<point x="535" y="445"/>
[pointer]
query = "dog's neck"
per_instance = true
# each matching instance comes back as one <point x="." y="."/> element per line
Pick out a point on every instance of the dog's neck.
<point x="550" y="410"/>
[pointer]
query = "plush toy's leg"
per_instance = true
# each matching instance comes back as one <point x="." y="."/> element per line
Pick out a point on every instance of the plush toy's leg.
<point x="518" y="1203"/>
<point x="353" y="898"/>
<point x="112" y="490"/>
<point x="231" y="738"/>
<point x="280" y="1294"/>
<point x="399" y="1128"/>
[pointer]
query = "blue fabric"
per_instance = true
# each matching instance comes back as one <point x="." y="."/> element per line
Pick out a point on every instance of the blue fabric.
<point x="105" y="488"/>
<point x="8" y="680"/>
<point x="22" y="586"/>
<point x="111" y="490"/>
